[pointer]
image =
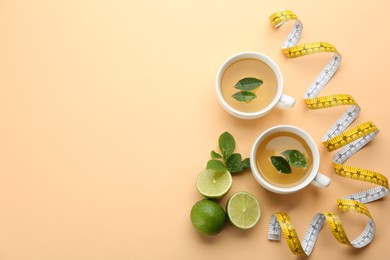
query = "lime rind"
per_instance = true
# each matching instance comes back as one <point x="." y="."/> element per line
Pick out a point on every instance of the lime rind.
<point x="243" y="210"/>
<point x="208" y="217"/>
<point x="214" y="184"/>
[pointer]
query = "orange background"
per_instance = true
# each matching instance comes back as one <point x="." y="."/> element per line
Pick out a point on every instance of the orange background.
<point x="108" y="113"/>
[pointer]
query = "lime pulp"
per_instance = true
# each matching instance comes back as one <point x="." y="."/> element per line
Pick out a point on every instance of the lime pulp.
<point x="214" y="184"/>
<point x="243" y="210"/>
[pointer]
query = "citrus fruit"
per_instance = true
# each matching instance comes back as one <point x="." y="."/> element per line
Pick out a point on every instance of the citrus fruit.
<point x="214" y="184"/>
<point x="243" y="210"/>
<point x="208" y="217"/>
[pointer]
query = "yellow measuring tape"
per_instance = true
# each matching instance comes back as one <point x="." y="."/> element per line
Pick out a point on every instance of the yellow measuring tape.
<point x="338" y="137"/>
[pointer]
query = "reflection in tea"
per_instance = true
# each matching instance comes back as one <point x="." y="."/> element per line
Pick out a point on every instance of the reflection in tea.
<point x="274" y="145"/>
<point x="251" y="68"/>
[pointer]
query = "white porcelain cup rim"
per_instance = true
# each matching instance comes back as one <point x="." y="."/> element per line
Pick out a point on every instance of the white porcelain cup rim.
<point x="314" y="177"/>
<point x="280" y="99"/>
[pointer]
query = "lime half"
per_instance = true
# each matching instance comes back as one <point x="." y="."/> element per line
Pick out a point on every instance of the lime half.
<point x="214" y="184"/>
<point x="243" y="210"/>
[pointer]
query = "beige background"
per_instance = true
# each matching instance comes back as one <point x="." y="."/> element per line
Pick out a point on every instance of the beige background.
<point x="108" y="113"/>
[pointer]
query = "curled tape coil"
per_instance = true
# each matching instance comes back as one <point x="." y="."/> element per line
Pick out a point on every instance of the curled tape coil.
<point x="338" y="137"/>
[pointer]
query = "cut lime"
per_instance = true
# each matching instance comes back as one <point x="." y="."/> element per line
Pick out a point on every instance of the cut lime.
<point x="214" y="184"/>
<point x="243" y="210"/>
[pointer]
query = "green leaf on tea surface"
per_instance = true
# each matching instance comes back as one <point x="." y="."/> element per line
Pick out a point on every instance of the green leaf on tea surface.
<point x="281" y="164"/>
<point x="248" y="84"/>
<point x="234" y="163"/>
<point x="215" y="165"/>
<point x="244" y="96"/>
<point x="215" y="155"/>
<point x="245" y="164"/>
<point x="296" y="158"/>
<point x="226" y="145"/>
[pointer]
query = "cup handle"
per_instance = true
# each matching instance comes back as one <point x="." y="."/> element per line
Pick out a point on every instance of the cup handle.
<point x="321" y="181"/>
<point x="286" y="101"/>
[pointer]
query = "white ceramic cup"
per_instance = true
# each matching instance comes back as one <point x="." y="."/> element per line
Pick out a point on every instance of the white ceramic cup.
<point x="280" y="100"/>
<point x="314" y="177"/>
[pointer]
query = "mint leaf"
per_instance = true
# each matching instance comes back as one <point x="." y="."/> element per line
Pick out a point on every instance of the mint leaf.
<point x="215" y="155"/>
<point x="244" y="96"/>
<point x="281" y="164"/>
<point x="216" y="165"/>
<point x="227" y="160"/>
<point x="248" y="84"/>
<point x="226" y="145"/>
<point x="234" y="163"/>
<point x="296" y="158"/>
<point x="245" y="164"/>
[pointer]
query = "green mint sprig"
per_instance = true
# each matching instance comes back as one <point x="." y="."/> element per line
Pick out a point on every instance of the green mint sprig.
<point x="227" y="160"/>
<point x="246" y="85"/>
<point x="291" y="158"/>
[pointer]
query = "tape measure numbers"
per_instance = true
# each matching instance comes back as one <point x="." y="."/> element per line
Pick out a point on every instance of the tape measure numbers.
<point x="337" y="137"/>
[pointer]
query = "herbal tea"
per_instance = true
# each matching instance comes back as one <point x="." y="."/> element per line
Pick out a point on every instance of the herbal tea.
<point x="275" y="145"/>
<point x="249" y="68"/>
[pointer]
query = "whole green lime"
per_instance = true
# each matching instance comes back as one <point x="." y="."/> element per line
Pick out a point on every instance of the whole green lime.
<point x="208" y="217"/>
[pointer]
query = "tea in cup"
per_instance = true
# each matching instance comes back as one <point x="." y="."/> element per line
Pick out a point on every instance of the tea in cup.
<point x="250" y="84"/>
<point x="285" y="159"/>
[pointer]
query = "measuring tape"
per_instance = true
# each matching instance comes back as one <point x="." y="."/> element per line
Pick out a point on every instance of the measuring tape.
<point x="338" y="137"/>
